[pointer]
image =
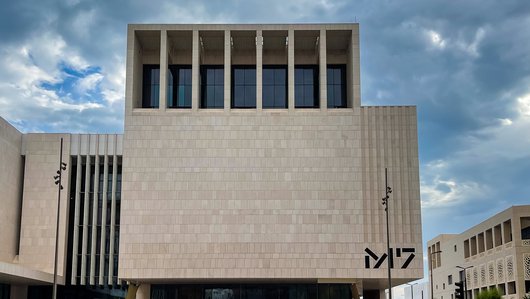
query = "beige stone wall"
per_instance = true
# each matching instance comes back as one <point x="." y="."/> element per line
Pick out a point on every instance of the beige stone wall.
<point x="11" y="186"/>
<point x="271" y="194"/>
<point x="509" y="254"/>
<point x="389" y="140"/>
<point x="255" y="195"/>
<point x="37" y="244"/>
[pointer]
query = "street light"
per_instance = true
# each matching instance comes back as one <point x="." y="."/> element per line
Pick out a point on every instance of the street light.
<point x="430" y="257"/>
<point x="465" y="279"/>
<point x="58" y="181"/>
<point x="412" y="289"/>
<point x="385" y="199"/>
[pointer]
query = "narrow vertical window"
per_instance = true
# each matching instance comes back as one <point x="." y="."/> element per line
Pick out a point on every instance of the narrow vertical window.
<point x="306" y="86"/>
<point x="212" y="86"/>
<point x="243" y="87"/>
<point x="336" y="77"/>
<point x="274" y="86"/>
<point x="179" y="86"/>
<point x="151" y="86"/>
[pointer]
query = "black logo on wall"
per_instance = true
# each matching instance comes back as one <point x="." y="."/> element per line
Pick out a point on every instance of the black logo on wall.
<point x="400" y="252"/>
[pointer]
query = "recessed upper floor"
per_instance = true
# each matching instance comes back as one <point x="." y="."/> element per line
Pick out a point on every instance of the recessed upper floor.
<point x="225" y="67"/>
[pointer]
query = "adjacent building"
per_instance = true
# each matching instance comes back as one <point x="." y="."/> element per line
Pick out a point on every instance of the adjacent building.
<point x="248" y="168"/>
<point x="492" y="254"/>
<point x="417" y="290"/>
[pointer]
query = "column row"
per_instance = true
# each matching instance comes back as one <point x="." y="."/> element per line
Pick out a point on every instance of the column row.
<point x="95" y="214"/>
<point x="253" y="69"/>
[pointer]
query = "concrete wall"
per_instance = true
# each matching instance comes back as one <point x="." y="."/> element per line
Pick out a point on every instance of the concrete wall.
<point x="389" y="140"/>
<point x="37" y="245"/>
<point x="11" y="169"/>
<point x="267" y="194"/>
<point x="271" y="195"/>
<point x="491" y="267"/>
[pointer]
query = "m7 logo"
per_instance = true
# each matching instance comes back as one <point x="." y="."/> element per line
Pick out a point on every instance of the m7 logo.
<point x="380" y="259"/>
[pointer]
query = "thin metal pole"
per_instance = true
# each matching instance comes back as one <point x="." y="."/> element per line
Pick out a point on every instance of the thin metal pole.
<point x="430" y="256"/>
<point x="388" y="238"/>
<point x="465" y="285"/>
<point x="59" y="187"/>
<point x="464" y="270"/>
<point x="411" y="291"/>
<point x="430" y="266"/>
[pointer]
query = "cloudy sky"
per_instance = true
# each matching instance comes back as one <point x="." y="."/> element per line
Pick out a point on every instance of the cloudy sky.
<point x="465" y="64"/>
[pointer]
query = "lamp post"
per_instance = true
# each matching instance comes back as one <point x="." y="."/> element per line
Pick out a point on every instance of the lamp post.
<point x="465" y="279"/>
<point x="412" y="289"/>
<point x="430" y="257"/>
<point x="58" y="181"/>
<point x="385" y="199"/>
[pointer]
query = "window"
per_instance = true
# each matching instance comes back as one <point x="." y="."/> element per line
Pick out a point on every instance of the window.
<point x="450" y="279"/>
<point x="274" y="86"/>
<point x="336" y="76"/>
<point x="212" y="86"/>
<point x="306" y="86"/>
<point x="466" y="249"/>
<point x="151" y="86"/>
<point x="455" y="248"/>
<point x="443" y="286"/>
<point x="525" y="228"/>
<point x="243" y="87"/>
<point x="179" y="86"/>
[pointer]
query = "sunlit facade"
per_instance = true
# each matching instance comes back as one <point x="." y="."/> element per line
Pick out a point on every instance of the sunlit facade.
<point x="248" y="168"/>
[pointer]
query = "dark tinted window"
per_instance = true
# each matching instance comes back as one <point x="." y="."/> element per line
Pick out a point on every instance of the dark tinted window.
<point x="248" y="291"/>
<point x="179" y="86"/>
<point x="212" y="86"/>
<point x="274" y="86"/>
<point x="243" y="87"/>
<point x="306" y="86"/>
<point x="151" y="84"/>
<point x="336" y="76"/>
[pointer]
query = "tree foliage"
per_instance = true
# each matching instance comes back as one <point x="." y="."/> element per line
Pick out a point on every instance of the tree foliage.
<point x="489" y="294"/>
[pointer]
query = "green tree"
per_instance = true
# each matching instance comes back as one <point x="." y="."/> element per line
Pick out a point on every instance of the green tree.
<point x="489" y="294"/>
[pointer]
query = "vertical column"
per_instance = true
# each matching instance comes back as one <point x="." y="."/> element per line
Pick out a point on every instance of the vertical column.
<point x="195" y="82"/>
<point x="323" y="67"/>
<point x="75" y="240"/>
<point x="113" y="210"/>
<point x="259" y="70"/>
<point x="290" y="69"/>
<point x="227" y="68"/>
<point x="349" y="74"/>
<point x="104" y="213"/>
<point x="95" y="200"/>
<point x="163" y="70"/>
<point x="144" y="291"/>
<point x="86" y="202"/>
<point x="356" y="67"/>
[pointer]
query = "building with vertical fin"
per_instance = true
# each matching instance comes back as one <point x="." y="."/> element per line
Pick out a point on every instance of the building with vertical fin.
<point x="494" y="254"/>
<point x="248" y="168"/>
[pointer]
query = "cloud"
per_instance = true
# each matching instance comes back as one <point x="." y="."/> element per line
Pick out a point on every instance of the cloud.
<point x="47" y="86"/>
<point x="88" y="83"/>
<point x="523" y="105"/>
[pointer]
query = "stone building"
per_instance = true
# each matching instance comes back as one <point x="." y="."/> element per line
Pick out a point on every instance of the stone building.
<point x="492" y="254"/>
<point x="248" y="168"/>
